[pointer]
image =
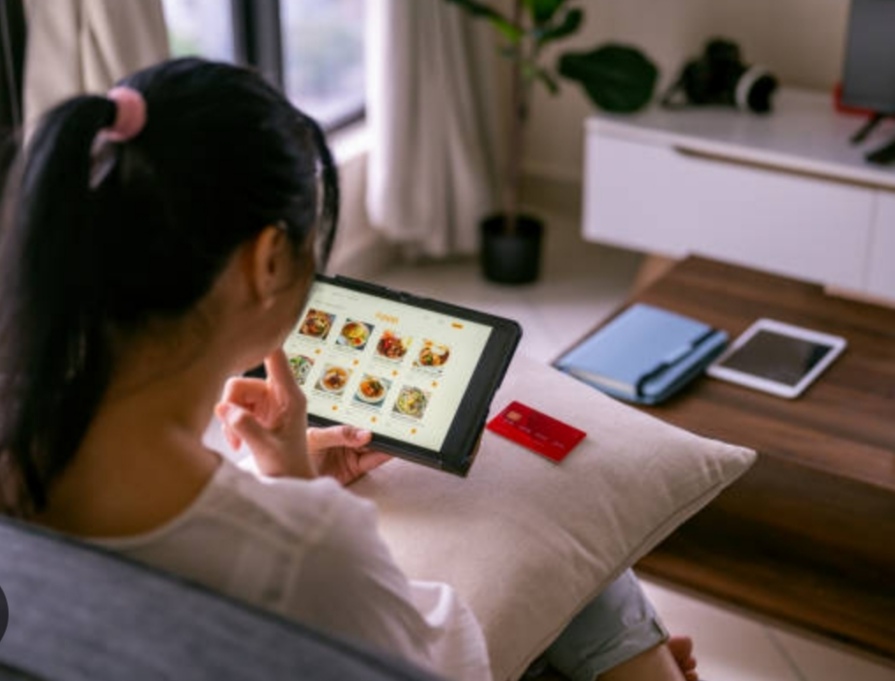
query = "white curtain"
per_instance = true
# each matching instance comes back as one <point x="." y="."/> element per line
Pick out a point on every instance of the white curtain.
<point x="431" y="114"/>
<point x="77" y="46"/>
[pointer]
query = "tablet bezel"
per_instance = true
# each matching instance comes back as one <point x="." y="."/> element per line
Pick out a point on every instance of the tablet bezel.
<point x="836" y="344"/>
<point x="461" y="441"/>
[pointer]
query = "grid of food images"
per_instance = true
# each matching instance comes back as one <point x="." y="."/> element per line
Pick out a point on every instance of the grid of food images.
<point x="390" y="367"/>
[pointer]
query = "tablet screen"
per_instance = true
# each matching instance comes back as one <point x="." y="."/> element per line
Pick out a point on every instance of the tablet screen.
<point x="394" y="368"/>
<point x="777" y="357"/>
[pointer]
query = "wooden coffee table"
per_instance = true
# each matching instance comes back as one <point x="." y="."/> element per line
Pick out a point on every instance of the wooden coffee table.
<point x="807" y="536"/>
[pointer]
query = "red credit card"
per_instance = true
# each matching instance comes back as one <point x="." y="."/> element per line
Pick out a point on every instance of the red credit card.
<point x="535" y="430"/>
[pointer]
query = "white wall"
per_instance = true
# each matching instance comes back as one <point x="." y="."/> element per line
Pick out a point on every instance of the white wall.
<point x="359" y="251"/>
<point x="800" y="41"/>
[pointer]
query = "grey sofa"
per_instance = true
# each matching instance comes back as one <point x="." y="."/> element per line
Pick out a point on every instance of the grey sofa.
<point x="79" y="613"/>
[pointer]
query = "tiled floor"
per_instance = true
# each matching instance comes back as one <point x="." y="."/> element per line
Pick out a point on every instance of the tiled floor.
<point x="580" y="284"/>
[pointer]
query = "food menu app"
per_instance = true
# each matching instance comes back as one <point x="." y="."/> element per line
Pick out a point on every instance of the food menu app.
<point x="392" y="368"/>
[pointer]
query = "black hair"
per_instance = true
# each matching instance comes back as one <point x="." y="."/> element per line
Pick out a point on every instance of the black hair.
<point x="103" y="236"/>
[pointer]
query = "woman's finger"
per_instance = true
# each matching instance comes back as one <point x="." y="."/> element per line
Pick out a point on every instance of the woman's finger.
<point x="245" y="391"/>
<point x="279" y="373"/>
<point x="370" y="460"/>
<point x="244" y="426"/>
<point x="232" y="438"/>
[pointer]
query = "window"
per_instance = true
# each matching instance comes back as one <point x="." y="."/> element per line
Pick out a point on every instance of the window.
<point x="312" y="49"/>
<point x="12" y="64"/>
<point x="200" y="27"/>
<point x="323" y="50"/>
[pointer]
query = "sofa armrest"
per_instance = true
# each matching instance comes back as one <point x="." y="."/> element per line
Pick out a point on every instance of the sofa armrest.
<point x="80" y="613"/>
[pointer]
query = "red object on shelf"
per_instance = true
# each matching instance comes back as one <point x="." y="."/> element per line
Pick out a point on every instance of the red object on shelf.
<point x="844" y="108"/>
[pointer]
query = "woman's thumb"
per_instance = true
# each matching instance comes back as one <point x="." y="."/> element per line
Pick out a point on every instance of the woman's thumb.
<point x="339" y="436"/>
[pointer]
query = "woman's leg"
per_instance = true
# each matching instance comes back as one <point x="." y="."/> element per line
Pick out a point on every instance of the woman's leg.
<point x="617" y="636"/>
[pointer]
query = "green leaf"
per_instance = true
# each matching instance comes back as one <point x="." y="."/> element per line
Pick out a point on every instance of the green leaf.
<point x="570" y="24"/>
<point x="617" y="78"/>
<point x="529" y="70"/>
<point x="478" y="9"/>
<point x="549" y="81"/>
<point x="509" y="31"/>
<point x="503" y="25"/>
<point x="542" y="11"/>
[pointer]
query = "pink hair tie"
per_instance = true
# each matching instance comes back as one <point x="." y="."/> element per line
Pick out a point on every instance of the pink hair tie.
<point x="130" y="115"/>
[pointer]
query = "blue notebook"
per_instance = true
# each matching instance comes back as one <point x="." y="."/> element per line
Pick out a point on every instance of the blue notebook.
<point x="645" y="354"/>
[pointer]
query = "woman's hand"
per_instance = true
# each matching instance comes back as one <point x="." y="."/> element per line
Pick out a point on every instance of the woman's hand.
<point x="341" y="452"/>
<point x="271" y="417"/>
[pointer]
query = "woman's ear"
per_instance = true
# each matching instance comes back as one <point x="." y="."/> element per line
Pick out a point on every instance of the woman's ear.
<point x="270" y="264"/>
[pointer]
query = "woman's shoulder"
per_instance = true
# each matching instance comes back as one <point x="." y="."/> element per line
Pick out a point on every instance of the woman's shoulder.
<point x="282" y="506"/>
<point x="237" y="506"/>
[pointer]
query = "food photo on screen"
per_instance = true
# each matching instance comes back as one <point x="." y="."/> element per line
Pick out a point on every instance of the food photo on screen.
<point x="301" y="366"/>
<point x="372" y="390"/>
<point x="412" y="402"/>
<point x="355" y="334"/>
<point x="316" y="324"/>
<point x="334" y="379"/>
<point x="393" y="345"/>
<point x="432" y="354"/>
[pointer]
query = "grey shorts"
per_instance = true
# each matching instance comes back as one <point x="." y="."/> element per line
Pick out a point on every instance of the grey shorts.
<point x="616" y="626"/>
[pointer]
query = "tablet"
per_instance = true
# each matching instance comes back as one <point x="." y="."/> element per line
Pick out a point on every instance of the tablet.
<point x="778" y="358"/>
<point x="419" y="373"/>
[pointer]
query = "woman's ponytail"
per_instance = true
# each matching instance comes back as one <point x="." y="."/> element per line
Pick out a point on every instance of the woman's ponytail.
<point x="54" y="347"/>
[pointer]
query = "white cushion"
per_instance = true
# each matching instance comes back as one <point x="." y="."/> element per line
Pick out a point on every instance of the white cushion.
<point x="527" y="542"/>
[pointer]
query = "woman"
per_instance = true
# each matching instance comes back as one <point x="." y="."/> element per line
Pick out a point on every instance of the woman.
<point x="157" y="242"/>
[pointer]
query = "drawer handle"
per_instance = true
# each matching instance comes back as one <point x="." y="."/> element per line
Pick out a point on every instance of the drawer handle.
<point x="770" y="167"/>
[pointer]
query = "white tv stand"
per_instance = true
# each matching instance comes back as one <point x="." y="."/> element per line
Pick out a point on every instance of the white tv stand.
<point x="785" y="192"/>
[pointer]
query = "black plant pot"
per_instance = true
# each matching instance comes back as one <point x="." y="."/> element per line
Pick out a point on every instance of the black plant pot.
<point x="511" y="257"/>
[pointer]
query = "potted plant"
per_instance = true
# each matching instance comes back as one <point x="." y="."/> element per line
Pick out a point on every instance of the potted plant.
<point x="616" y="78"/>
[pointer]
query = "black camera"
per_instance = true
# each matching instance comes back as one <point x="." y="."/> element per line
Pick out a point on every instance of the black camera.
<point x="719" y="77"/>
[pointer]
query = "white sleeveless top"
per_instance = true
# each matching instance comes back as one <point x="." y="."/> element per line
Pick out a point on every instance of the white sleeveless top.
<point x="310" y="550"/>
